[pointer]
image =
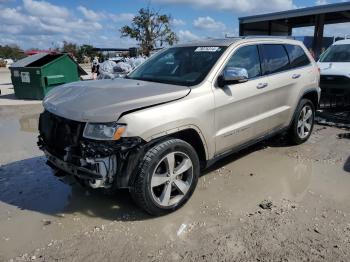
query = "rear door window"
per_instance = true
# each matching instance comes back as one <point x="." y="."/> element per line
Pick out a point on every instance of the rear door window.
<point x="297" y="56"/>
<point x="274" y="58"/>
<point x="247" y="57"/>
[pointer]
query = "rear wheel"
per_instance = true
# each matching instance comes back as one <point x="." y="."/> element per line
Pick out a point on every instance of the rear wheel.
<point x="167" y="177"/>
<point x="303" y="122"/>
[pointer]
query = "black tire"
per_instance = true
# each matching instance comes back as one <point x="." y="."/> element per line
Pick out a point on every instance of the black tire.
<point x="294" y="135"/>
<point x="141" y="190"/>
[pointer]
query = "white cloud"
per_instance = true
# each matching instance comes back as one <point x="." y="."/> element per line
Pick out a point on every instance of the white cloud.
<point x="11" y="16"/>
<point x="321" y="2"/>
<point x="338" y="30"/>
<point x="89" y="14"/>
<point x="122" y="17"/>
<point x="95" y="16"/>
<point x="48" y="25"/>
<point x="43" y="25"/>
<point x="251" y="6"/>
<point x="208" y="23"/>
<point x="186" y="35"/>
<point x="178" y="22"/>
<point x="42" y="8"/>
<point x="28" y="27"/>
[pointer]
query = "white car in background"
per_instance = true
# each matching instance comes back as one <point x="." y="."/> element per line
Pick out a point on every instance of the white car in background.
<point x="334" y="64"/>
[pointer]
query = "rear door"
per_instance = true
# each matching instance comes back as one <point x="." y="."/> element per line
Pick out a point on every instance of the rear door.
<point x="278" y="94"/>
<point x="301" y="74"/>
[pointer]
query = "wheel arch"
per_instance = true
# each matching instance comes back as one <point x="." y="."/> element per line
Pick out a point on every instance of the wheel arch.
<point x="312" y="95"/>
<point x="190" y="134"/>
<point x="192" y="137"/>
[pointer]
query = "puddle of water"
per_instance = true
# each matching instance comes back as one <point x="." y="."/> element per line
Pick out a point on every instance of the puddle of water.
<point x="30" y="184"/>
<point x="347" y="165"/>
<point x="18" y="136"/>
<point x="30" y="193"/>
<point x="29" y="123"/>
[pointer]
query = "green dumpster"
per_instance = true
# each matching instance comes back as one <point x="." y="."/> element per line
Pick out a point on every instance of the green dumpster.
<point x="34" y="76"/>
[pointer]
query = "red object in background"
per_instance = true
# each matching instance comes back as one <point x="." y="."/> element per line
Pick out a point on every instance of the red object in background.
<point x="34" y="52"/>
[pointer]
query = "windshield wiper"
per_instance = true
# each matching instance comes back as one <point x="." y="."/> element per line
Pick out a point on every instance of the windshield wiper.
<point x="162" y="81"/>
<point x="150" y="79"/>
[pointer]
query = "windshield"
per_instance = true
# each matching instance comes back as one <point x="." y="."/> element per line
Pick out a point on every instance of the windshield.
<point x="186" y="66"/>
<point x="336" y="53"/>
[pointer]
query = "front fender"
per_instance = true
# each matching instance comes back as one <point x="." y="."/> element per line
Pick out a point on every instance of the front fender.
<point x="196" y="111"/>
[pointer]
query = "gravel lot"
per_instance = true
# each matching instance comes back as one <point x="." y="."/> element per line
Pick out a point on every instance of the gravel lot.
<point x="271" y="202"/>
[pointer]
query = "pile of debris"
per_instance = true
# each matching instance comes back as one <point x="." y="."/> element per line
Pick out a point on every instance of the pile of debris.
<point x="119" y="68"/>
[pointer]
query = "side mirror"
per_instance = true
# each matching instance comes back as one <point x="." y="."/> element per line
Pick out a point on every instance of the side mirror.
<point x="233" y="75"/>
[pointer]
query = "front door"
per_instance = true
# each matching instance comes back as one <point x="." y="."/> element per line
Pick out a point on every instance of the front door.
<point x="241" y="107"/>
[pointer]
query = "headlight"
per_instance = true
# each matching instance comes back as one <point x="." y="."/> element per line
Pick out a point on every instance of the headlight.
<point x="104" y="131"/>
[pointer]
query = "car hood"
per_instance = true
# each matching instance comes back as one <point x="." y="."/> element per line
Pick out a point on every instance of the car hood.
<point x="106" y="100"/>
<point x="342" y="69"/>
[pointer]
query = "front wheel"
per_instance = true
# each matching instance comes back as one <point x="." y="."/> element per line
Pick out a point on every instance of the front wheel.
<point x="167" y="177"/>
<point x="303" y="122"/>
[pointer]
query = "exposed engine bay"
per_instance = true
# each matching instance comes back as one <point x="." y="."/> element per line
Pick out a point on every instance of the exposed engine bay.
<point x="97" y="164"/>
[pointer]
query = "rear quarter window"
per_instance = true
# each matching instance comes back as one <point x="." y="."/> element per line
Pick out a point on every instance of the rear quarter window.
<point x="297" y="56"/>
<point x="274" y="58"/>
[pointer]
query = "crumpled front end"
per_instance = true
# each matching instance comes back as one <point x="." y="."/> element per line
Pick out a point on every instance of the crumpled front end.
<point x="98" y="164"/>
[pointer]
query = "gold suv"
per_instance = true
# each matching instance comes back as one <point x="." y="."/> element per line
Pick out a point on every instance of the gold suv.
<point x="177" y="113"/>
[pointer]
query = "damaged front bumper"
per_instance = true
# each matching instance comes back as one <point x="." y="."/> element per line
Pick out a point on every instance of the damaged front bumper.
<point x="71" y="169"/>
<point x="98" y="164"/>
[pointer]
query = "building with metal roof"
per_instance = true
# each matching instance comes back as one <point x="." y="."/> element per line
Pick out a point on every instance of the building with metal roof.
<point x="282" y="23"/>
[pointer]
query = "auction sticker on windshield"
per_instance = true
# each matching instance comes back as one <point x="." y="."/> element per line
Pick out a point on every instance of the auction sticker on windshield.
<point x="207" y="49"/>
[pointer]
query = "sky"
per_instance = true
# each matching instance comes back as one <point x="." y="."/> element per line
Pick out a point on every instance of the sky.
<point x="46" y="24"/>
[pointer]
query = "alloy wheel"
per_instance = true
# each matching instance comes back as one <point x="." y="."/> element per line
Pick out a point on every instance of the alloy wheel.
<point x="305" y="122"/>
<point x="171" y="179"/>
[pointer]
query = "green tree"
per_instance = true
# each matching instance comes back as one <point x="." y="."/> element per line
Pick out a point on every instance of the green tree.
<point x="11" y="51"/>
<point x="70" y="48"/>
<point x="86" y="51"/>
<point x="150" y="29"/>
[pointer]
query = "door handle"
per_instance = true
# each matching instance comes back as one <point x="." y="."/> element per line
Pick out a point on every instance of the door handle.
<point x="296" y="76"/>
<point x="262" y="85"/>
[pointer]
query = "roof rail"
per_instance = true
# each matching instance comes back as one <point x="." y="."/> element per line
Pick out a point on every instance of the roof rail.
<point x="267" y="36"/>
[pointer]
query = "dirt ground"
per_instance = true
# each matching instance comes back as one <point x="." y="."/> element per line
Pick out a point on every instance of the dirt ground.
<point x="271" y="202"/>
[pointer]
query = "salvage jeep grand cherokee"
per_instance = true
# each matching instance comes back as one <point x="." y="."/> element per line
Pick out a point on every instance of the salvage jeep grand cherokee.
<point x="178" y="112"/>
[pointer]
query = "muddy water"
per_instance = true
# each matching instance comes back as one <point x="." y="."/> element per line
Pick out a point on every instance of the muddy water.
<point x="36" y="208"/>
